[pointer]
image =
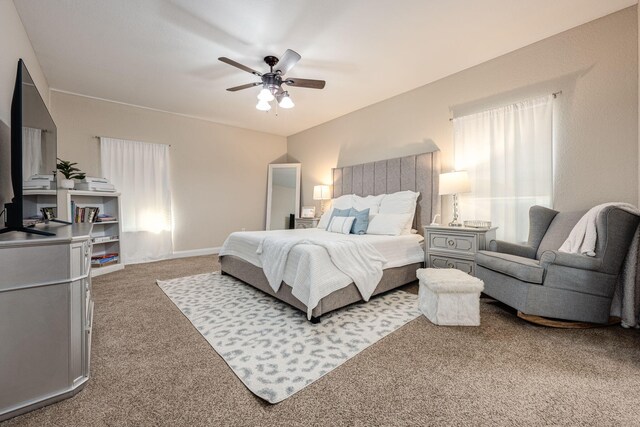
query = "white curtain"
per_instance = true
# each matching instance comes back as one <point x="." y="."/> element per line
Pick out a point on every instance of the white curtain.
<point x="508" y="153"/>
<point x="31" y="152"/>
<point x="140" y="172"/>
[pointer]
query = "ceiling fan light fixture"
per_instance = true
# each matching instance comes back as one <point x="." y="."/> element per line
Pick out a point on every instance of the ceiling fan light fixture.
<point x="286" y="101"/>
<point x="265" y="95"/>
<point x="263" y="105"/>
<point x="271" y="81"/>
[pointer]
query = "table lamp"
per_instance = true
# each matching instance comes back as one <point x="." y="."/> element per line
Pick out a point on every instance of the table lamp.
<point x="322" y="193"/>
<point x="454" y="183"/>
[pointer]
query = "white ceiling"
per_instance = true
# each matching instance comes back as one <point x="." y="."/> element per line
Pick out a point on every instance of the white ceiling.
<point x="163" y="54"/>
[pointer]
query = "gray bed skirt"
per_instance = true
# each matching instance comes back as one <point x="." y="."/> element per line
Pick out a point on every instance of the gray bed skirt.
<point x="245" y="271"/>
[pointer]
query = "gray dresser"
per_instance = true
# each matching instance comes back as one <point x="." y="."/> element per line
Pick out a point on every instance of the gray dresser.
<point x="455" y="247"/>
<point x="46" y="314"/>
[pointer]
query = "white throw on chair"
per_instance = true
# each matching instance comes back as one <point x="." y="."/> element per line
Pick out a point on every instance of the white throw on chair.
<point x="449" y="297"/>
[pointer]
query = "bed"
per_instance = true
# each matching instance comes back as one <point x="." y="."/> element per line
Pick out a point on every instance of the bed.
<point x="327" y="288"/>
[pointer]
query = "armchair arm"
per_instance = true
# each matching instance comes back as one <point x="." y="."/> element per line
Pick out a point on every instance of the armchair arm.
<point x="578" y="261"/>
<point x="512" y="249"/>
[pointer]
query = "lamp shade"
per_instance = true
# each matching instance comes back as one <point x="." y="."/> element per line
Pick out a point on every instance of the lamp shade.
<point x="263" y="105"/>
<point x="266" y="95"/>
<point x="321" y="192"/>
<point x="454" y="182"/>
<point x="286" y="102"/>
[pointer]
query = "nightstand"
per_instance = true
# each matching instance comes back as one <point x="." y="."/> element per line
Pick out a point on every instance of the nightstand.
<point x="455" y="247"/>
<point x="306" y="222"/>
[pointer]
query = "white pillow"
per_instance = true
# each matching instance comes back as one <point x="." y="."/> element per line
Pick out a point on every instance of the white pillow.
<point x="370" y="202"/>
<point x="390" y="224"/>
<point x="402" y="202"/>
<point x="341" y="224"/>
<point x="342" y="202"/>
<point x="324" y="219"/>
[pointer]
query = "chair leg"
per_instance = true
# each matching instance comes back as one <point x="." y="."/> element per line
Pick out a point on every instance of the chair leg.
<point x="564" y="324"/>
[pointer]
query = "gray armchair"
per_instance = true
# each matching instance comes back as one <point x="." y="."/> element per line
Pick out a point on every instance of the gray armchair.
<point x="538" y="280"/>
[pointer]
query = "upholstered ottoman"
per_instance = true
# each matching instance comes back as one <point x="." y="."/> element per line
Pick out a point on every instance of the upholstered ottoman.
<point x="449" y="297"/>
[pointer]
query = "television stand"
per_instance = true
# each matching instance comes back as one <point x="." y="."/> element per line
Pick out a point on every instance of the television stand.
<point x="14" y="222"/>
<point x="26" y="230"/>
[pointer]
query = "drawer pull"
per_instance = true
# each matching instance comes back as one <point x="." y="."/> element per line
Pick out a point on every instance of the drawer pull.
<point x="451" y="242"/>
<point x="450" y="265"/>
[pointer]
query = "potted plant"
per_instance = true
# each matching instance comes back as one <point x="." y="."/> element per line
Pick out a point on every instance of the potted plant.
<point x="70" y="172"/>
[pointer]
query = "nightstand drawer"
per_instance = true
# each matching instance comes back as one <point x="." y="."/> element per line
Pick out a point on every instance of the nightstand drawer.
<point x="306" y="222"/>
<point x="439" y="261"/>
<point x="460" y="243"/>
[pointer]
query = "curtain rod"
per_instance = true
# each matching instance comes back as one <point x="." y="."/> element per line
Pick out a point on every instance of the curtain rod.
<point x="96" y="136"/>
<point x="554" y="94"/>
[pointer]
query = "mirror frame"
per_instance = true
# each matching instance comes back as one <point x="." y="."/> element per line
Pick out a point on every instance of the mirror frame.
<point x="269" y="187"/>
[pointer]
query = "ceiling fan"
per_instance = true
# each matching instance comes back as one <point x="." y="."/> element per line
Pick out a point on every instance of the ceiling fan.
<point x="272" y="81"/>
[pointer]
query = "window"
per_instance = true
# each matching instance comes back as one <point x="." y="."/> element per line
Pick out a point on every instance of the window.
<point x="508" y="152"/>
<point x="140" y="172"/>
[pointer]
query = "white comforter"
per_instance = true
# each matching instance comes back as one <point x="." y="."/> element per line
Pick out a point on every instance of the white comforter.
<point x="309" y="268"/>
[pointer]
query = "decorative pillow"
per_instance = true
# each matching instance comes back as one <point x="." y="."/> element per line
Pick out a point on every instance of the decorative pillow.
<point x="341" y="224"/>
<point x="339" y="212"/>
<point x="389" y="224"/>
<point x="342" y="202"/>
<point x="370" y="202"/>
<point x="360" y="222"/>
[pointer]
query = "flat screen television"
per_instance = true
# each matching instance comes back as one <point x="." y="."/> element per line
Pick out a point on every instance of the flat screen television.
<point x="33" y="157"/>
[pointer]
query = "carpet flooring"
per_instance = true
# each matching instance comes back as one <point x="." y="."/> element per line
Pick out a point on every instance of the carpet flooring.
<point x="151" y="367"/>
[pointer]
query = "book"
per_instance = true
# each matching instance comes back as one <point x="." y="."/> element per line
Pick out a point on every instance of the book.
<point x="103" y="256"/>
<point x="101" y="259"/>
<point x="106" y="260"/>
<point x="92" y="213"/>
<point x="105" y="218"/>
<point x="103" y="239"/>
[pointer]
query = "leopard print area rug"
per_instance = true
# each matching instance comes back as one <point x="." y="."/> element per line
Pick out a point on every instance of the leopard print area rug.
<point x="272" y="348"/>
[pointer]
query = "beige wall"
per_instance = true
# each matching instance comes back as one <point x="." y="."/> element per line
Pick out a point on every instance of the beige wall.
<point x="14" y="44"/>
<point x="596" y="153"/>
<point x="218" y="172"/>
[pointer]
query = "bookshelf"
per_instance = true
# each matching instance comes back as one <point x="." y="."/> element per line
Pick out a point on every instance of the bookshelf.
<point x="105" y="235"/>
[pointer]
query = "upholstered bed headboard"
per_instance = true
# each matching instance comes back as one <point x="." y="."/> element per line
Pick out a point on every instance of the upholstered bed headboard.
<point x="416" y="173"/>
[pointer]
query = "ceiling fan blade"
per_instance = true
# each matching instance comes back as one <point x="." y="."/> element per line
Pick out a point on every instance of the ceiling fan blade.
<point x="288" y="60"/>
<point x="247" y="86"/>
<point x="238" y="65"/>
<point x="313" y="84"/>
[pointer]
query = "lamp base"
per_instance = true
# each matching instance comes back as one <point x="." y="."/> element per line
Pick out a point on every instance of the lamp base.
<point x="455" y="222"/>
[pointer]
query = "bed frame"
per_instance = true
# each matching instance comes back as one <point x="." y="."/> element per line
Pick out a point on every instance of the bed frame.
<point x="416" y="173"/>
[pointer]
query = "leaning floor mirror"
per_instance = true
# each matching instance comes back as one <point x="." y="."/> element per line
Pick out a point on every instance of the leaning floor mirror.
<point x="283" y="195"/>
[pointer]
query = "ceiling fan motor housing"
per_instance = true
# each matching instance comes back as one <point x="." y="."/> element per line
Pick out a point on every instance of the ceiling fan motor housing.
<point x="271" y="80"/>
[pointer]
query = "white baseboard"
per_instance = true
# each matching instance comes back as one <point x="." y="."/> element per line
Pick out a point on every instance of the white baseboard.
<point x="195" y="252"/>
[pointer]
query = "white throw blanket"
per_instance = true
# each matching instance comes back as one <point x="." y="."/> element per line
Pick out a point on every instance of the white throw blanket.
<point x="582" y="240"/>
<point x="358" y="260"/>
